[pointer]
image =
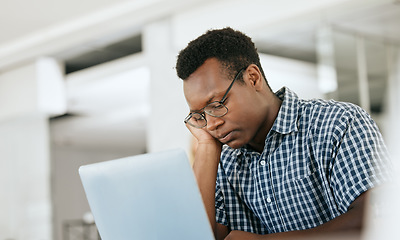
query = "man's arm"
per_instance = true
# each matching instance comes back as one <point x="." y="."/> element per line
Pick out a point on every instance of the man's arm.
<point x="205" y="167"/>
<point x="349" y="222"/>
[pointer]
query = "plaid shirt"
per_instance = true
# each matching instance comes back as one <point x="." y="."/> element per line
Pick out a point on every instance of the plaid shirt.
<point x="318" y="157"/>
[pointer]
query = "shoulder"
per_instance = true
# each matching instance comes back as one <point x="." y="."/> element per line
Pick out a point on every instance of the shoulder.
<point x="332" y="111"/>
<point x="333" y="119"/>
<point x="318" y="112"/>
<point x="331" y="106"/>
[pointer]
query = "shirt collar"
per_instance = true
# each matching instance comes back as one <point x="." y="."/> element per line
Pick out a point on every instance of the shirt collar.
<point x="286" y="121"/>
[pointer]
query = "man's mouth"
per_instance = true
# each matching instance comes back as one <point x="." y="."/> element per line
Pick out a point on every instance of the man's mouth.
<point x="226" y="138"/>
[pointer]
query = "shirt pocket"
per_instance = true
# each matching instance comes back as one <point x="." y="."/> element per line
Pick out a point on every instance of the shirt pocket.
<point x="308" y="196"/>
<point x="305" y="180"/>
<point x="303" y="171"/>
<point x="299" y="169"/>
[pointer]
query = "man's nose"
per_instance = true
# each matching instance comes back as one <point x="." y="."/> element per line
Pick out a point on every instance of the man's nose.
<point x="213" y="122"/>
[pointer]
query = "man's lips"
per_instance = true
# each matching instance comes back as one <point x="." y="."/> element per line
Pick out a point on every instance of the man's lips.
<point x="226" y="138"/>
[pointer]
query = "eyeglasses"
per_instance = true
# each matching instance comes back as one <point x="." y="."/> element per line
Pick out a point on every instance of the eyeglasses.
<point x="215" y="109"/>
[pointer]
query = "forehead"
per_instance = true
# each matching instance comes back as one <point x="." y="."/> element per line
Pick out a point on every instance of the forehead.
<point x="205" y="84"/>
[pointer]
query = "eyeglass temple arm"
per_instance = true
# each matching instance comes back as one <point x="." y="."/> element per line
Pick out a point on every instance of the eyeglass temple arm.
<point x="230" y="86"/>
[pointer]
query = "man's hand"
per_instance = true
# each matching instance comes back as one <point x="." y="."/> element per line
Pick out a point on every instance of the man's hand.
<point x="202" y="136"/>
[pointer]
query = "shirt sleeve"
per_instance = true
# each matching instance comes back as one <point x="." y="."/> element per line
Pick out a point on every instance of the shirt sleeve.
<point x="361" y="160"/>
<point x="220" y="213"/>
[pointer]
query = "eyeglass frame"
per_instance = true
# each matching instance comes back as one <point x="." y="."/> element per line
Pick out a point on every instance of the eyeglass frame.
<point x="221" y="102"/>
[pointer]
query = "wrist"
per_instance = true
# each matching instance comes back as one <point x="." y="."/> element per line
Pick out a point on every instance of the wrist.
<point x="209" y="145"/>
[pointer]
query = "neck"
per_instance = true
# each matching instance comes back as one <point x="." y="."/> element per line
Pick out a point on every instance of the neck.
<point x="272" y="111"/>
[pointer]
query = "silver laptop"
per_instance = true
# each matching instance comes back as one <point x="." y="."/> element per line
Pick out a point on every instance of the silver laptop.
<point x="149" y="196"/>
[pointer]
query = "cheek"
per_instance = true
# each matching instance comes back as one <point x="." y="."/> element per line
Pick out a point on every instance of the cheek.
<point x="243" y="113"/>
<point x="246" y="119"/>
<point x="243" y="120"/>
<point x="244" y="108"/>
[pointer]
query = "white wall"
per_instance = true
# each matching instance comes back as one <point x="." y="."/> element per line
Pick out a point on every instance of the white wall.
<point x="166" y="129"/>
<point x="300" y="77"/>
<point x="43" y="89"/>
<point x="25" y="178"/>
<point x="26" y="103"/>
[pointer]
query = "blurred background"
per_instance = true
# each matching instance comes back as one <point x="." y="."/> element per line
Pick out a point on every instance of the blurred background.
<point x="94" y="80"/>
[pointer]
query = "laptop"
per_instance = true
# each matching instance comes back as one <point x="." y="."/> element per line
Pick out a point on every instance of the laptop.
<point x="146" y="197"/>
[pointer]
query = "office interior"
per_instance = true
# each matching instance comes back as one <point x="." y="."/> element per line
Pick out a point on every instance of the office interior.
<point x="89" y="81"/>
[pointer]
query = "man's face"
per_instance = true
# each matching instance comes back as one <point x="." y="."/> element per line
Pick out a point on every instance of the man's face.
<point x="244" y="118"/>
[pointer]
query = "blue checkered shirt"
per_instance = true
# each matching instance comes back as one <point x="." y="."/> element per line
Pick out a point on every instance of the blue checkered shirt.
<point x="318" y="157"/>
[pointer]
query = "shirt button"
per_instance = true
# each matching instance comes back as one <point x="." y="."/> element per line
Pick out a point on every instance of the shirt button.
<point x="262" y="162"/>
<point x="269" y="200"/>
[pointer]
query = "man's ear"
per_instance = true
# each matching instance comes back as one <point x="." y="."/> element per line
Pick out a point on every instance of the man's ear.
<point x="254" y="76"/>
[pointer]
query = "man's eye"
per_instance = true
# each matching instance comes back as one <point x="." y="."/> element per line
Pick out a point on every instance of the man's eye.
<point x="217" y="106"/>
<point x="197" y="118"/>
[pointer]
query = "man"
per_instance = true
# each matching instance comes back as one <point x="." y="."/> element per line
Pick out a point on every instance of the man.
<point x="270" y="165"/>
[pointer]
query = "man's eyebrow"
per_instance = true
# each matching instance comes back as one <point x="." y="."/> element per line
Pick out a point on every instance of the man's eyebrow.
<point x="210" y="100"/>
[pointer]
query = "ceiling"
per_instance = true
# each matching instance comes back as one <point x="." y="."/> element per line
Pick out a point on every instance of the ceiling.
<point x="97" y="54"/>
<point x="296" y="38"/>
<point x="377" y="24"/>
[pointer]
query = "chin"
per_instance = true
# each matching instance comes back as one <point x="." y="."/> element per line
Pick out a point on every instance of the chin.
<point x="235" y="144"/>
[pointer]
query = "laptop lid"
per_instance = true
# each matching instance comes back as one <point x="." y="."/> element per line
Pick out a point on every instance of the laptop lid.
<point x="149" y="196"/>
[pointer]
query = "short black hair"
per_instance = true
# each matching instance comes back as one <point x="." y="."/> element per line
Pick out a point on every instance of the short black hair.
<point x="233" y="49"/>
